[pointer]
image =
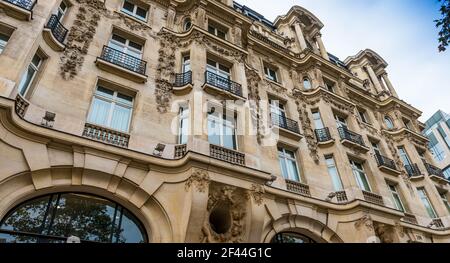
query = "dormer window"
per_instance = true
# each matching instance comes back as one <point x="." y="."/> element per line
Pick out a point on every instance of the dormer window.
<point x="132" y="9"/>
<point x="187" y="24"/>
<point x="218" y="31"/>
<point x="307" y="84"/>
<point x="389" y="123"/>
<point x="270" y="73"/>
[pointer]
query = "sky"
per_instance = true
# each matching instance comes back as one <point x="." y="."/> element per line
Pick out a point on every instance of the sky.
<point x="403" y="32"/>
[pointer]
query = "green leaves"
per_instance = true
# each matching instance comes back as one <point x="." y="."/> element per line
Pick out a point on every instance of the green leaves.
<point x="444" y="25"/>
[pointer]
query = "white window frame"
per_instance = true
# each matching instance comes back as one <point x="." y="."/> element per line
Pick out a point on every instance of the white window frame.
<point x="445" y="200"/>
<point x="217" y="30"/>
<point x="61" y="12"/>
<point x="394" y="193"/>
<point x="284" y="157"/>
<point x="186" y="64"/>
<point x="389" y="122"/>
<point x="35" y="68"/>
<point x="363" y="116"/>
<point x="183" y="118"/>
<point x="339" y="187"/>
<point x="404" y="156"/>
<point x="217" y="70"/>
<point x="318" y="120"/>
<point x="376" y="148"/>
<point x="307" y="80"/>
<point x="113" y="102"/>
<point x="134" y="12"/>
<point x="340" y="123"/>
<point x="268" y="71"/>
<point x="220" y="119"/>
<point x="126" y="46"/>
<point x="424" y="198"/>
<point x="355" y="169"/>
<point x="3" y="43"/>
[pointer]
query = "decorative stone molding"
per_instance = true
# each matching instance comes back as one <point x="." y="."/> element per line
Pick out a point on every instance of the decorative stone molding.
<point x="385" y="232"/>
<point x="253" y="81"/>
<point x="200" y="178"/>
<point x="307" y="128"/>
<point x="366" y="221"/>
<point x="257" y="193"/>
<point x="234" y="202"/>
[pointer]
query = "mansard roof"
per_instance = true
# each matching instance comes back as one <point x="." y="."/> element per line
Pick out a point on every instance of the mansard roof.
<point x="374" y="58"/>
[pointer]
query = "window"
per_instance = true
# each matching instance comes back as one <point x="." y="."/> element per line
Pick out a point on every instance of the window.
<point x="408" y="124"/>
<point x="363" y="116"/>
<point x="341" y="122"/>
<point x="360" y="176"/>
<point x="29" y="75"/>
<point x="435" y="147"/>
<point x="53" y="218"/>
<point x="292" y="238"/>
<point x="446" y="172"/>
<point x="426" y="202"/>
<point x="222" y="129"/>
<point x="270" y="74"/>
<point x="187" y="24"/>
<point x="186" y="64"/>
<point x="376" y="148"/>
<point x="404" y="156"/>
<point x="445" y="200"/>
<point x="317" y="119"/>
<point x="396" y="197"/>
<point x="444" y="135"/>
<point x="3" y="41"/>
<point x="217" y="68"/>
<point x="330" y="86"/>
<point x="111" y="109"/>
<point x="334" y="174"/>
<point x="183" y="129"/>
<point x="389" y="123"/>
<point x="61" y="12"/>
<point x="288" y="164"/>
<point x="422" y="155"/>
<point x="221" y="33"/>
<point x="307" y="84"/>
<point x="126" y="46"/>
<point x="135" y="10"/>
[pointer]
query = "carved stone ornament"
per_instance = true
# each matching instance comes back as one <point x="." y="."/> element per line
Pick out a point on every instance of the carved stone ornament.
<point x="257" y="193"/>
<point x="199" y="178"/>
<point x="366" y="221"/>
<point x="232" y="201"/>
<point x="385" y="232"/>
<point x="253" y="81"/>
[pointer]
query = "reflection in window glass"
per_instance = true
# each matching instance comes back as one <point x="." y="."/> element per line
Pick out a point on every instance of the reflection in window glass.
<point x="292" y="238"/>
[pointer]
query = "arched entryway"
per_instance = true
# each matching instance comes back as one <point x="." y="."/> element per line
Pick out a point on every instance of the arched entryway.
<point x="55" y="217"/>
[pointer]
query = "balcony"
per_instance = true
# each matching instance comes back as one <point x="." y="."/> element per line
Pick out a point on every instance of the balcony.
<point x="436" y="173"/>
<point x="287" y="127"/>
<point x="437" y="222"/>
<point x="106" y="135"/>
<point x="21" y="106"/>
<point x="55" y="34"/>
<point x="215" y="84"/>
<point x="20" y="9"/>
<point x="227" y="155"/>
<point x="298" y="188"/>
<point x="410" y="218"/>
<point x="413" y="171"/>
<point x="352" y="139"/>
<point x="373" y="198"/>
<point x="323" y="137"/>
<point x="180" y="151"/>
<point x="387" y="165"/>
<point x="122" y="64"/>
<point x="341" y="197"/>
<point x="183" y="83"/>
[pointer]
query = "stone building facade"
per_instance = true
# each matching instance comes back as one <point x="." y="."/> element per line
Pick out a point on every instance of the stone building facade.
<point x="202" y="121"/>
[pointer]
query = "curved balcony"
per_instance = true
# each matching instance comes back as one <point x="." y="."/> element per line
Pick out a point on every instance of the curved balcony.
<point x="387" y="165"/>
<point x="352" y="139"/>
<point x="55" y="33"/>
<point x="413" y="170"/>
<point x="436" y="173"/>
<point x="297" y="187"/>
<point x="122" y="64"/>
<point x="183" y="83"/>
<point x="227" y="155"/>
<point x="215" y="84"/>
<point x="106" y="135"/>
<point x="287" y="127"/>
<point x="373" y="198"/>
<point x="20" y="9"/>
<point x="323" y="136"/>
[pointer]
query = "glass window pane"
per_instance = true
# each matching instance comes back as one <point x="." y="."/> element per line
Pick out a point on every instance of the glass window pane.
<point x="214" y="131"/>
<point x="142" y="13"/>
<point x="229" y="138"/>
<point x="293" y="171"/>
<point x="99" y="112"/>
<point x="125" y="99"/>
<point x="36" y="61"/>
<point x="307" y="84"/>
<point x="26" y="79"/>
<point x="128" y="6"/>
<point x="130" y="230"/>
<point x="28" y="217"/>
<point x="284" y="170"/>
<point x="3" y="41"/>
<point x="120" y="118"/>
<point x="105" y="92"/>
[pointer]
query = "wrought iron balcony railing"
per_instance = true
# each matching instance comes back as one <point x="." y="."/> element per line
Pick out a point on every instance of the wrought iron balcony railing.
<point x="410" y="218"/>
<point x="21" y="105"/>
<point x="433" y="170"/>
<point x="123" y="60"/>
<point x="341" y="197"/>
<point x="223" y="83"/>
<point x="25" y="4"/>
<point x="106" y="135"/>
<point x="183" y="79"/>
<point x="58" y="30"/>
<point x="346" y="134"/>
<point x="323" y="135"/>
<point x="413" y="170"/>
<point x="180" y="151"/>
<point x="227" y="155"/>
<point x="285" y="123"/>
<point x="384" y="161"/>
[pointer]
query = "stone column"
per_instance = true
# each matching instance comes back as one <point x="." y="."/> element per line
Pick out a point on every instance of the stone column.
<point x="389" y="85"/>
<point x="300" y="36"/>
<point x="323" y="51"/>
<point x="171" y="12"/>
<point x="201" y="15"/>
<point x="374" y="79"/>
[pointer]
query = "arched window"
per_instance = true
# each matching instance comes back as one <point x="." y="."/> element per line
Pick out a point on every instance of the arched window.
<point x="389" y="123"/>
<point x="291" y="238"/>
<point x="54" y="218"/>
<point x="187" y="24"/>
<point x="307" y="84"/>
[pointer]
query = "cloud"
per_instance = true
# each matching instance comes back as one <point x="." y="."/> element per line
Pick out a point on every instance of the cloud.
<point x="401" y="31"/>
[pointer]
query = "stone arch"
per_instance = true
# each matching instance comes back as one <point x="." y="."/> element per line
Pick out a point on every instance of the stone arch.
<point x="307" y="226"/>
<point x="21" y="187"/>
